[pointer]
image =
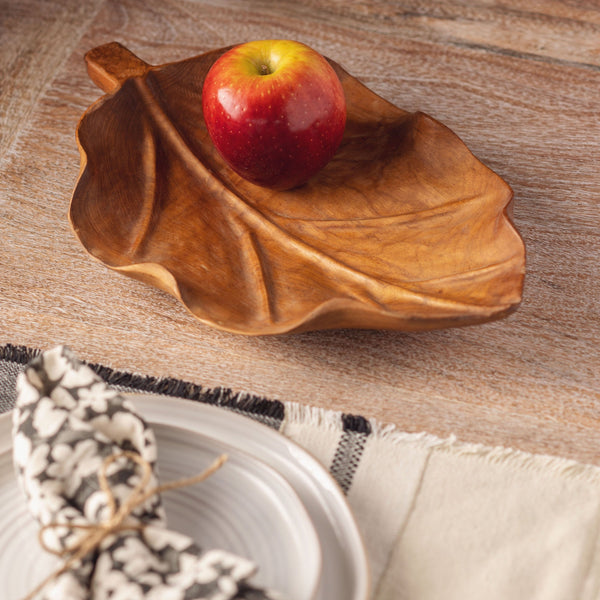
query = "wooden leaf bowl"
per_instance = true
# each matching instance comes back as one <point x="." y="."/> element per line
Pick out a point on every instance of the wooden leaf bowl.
<point x="405" y="229"/>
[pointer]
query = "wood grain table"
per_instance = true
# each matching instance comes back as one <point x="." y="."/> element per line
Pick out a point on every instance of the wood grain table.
<point x="517" y="81"/>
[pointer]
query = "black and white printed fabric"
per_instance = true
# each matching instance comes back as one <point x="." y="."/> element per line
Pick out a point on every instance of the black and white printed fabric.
<point x="66" y="423"/>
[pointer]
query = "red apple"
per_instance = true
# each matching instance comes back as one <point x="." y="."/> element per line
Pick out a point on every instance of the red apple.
<point x="275" y="110"/>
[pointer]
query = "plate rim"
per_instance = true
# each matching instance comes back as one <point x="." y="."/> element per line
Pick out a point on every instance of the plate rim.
<point x="273" y="473"/>
<point x="360" y="562"/>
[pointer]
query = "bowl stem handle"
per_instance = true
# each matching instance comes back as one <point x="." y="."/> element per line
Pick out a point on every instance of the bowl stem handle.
<point x="111" y="64"/>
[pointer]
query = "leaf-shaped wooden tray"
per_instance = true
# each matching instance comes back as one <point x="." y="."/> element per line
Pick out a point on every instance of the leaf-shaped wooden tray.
<point x="404" y="229"/>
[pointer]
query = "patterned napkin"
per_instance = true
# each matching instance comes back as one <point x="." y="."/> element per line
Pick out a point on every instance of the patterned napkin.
<point x="67" y="423"/>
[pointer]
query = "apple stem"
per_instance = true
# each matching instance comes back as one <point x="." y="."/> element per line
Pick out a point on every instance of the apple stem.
<point x="264" y="69"/>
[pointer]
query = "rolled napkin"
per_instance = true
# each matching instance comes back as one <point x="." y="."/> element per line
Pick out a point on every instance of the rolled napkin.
<point x="82" y="454"/>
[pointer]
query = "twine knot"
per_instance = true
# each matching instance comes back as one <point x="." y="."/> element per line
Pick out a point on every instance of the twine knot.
<point x="96" y="533"/>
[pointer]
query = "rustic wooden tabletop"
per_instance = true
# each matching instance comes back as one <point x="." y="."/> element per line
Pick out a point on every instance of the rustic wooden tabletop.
<point x="518" y="85"/>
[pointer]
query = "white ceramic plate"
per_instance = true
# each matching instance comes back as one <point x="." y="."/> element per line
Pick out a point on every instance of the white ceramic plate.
<point x="345" y="573"/>
<point x="246" y="507"/>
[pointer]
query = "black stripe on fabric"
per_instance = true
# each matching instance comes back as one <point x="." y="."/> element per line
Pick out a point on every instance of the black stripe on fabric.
<point x="270" y="412"/>
<point x="348" y="453"/>
<point x="17" y="354"/>
<point x="356" y="423"/>
<point x="178" y="388"/>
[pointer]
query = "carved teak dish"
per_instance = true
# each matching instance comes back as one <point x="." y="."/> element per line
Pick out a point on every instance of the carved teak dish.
<point x="404" y="229"/>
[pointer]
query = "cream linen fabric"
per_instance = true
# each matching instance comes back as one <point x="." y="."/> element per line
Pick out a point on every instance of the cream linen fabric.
<point x="456" y="521"/>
